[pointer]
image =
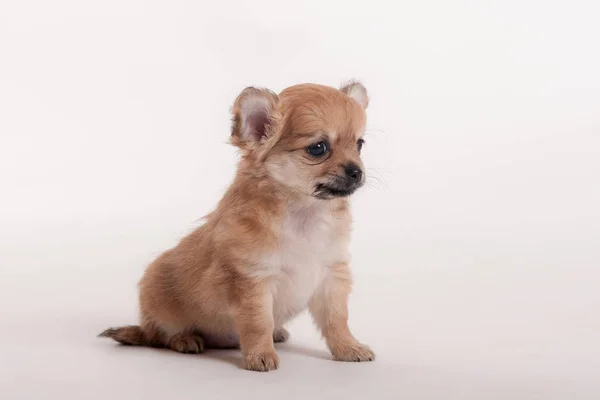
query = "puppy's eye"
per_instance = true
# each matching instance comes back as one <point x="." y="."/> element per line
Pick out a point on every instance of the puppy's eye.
<point x="360" y="144"/>
<point x="317" y="149"/>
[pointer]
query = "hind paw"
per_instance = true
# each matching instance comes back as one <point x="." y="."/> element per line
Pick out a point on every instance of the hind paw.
<point x="280" y="335"/>
<point x="187" y="343"/>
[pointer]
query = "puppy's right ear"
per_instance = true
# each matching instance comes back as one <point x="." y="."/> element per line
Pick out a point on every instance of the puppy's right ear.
<point x="356" y="91"/>
<point x="253" y="114"/>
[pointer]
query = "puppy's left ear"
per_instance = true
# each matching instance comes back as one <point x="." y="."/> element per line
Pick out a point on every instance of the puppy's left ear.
<point x="253" y="113"/>
<point x="356" y="91"/>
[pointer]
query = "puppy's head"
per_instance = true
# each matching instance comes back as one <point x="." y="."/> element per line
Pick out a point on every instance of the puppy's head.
<point x="308" y="138"/>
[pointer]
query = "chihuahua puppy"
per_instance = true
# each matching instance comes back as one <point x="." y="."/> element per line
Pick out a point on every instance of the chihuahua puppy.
<point x="277" y="242"/>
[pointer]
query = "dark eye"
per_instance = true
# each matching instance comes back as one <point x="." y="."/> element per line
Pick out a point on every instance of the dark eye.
<point x="360" y="144"/>
<point x="317" y="149"/>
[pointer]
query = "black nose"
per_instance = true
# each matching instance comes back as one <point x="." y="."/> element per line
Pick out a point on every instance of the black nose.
<point x="353" y="172"/>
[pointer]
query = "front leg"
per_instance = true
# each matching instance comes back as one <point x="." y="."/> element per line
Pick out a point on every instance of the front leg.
<point x="329" y="309"/>
<point x="254" y="322"/>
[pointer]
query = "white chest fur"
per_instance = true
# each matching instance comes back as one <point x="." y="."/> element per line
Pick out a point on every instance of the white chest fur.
<point x="308" y="244"/>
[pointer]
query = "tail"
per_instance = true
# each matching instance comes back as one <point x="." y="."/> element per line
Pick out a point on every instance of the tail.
<point x="132" y="335"/>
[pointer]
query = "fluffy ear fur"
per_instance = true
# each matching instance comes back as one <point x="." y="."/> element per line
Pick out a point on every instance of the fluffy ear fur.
<point x="252" y="116"/>
<point x="356" y="91"/>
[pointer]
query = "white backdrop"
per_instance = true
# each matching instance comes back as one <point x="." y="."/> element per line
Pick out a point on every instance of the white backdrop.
<point x="477" y="241"/>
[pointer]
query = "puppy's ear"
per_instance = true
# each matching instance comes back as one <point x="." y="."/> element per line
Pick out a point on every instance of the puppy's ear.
<point x="253" y="113"/>
<point x="356" y="91"/>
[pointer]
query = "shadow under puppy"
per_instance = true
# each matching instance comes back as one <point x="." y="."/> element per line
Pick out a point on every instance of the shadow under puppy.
<point x="277" y="242"/>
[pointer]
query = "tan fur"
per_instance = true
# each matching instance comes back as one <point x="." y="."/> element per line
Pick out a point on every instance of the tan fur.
<point x="271" y="248"/>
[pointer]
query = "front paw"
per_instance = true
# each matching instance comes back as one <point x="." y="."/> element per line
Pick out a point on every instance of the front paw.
<point x="353" y="353"/>
<point x="262" y="362"/>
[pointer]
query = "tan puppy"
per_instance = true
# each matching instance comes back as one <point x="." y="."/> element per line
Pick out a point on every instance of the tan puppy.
<point x="276" y="244"/>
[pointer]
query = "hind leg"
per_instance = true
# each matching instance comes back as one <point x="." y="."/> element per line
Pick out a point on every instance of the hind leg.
<point x="133" y="335"/>
<point x="182" y="342"/>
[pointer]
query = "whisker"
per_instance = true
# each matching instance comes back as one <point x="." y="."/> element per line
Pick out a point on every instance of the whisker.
<point x="376" y="179"/>
<point x="374" y="130"/>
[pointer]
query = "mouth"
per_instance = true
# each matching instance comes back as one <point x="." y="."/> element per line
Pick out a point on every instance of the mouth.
<point x="329" y="191"/>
